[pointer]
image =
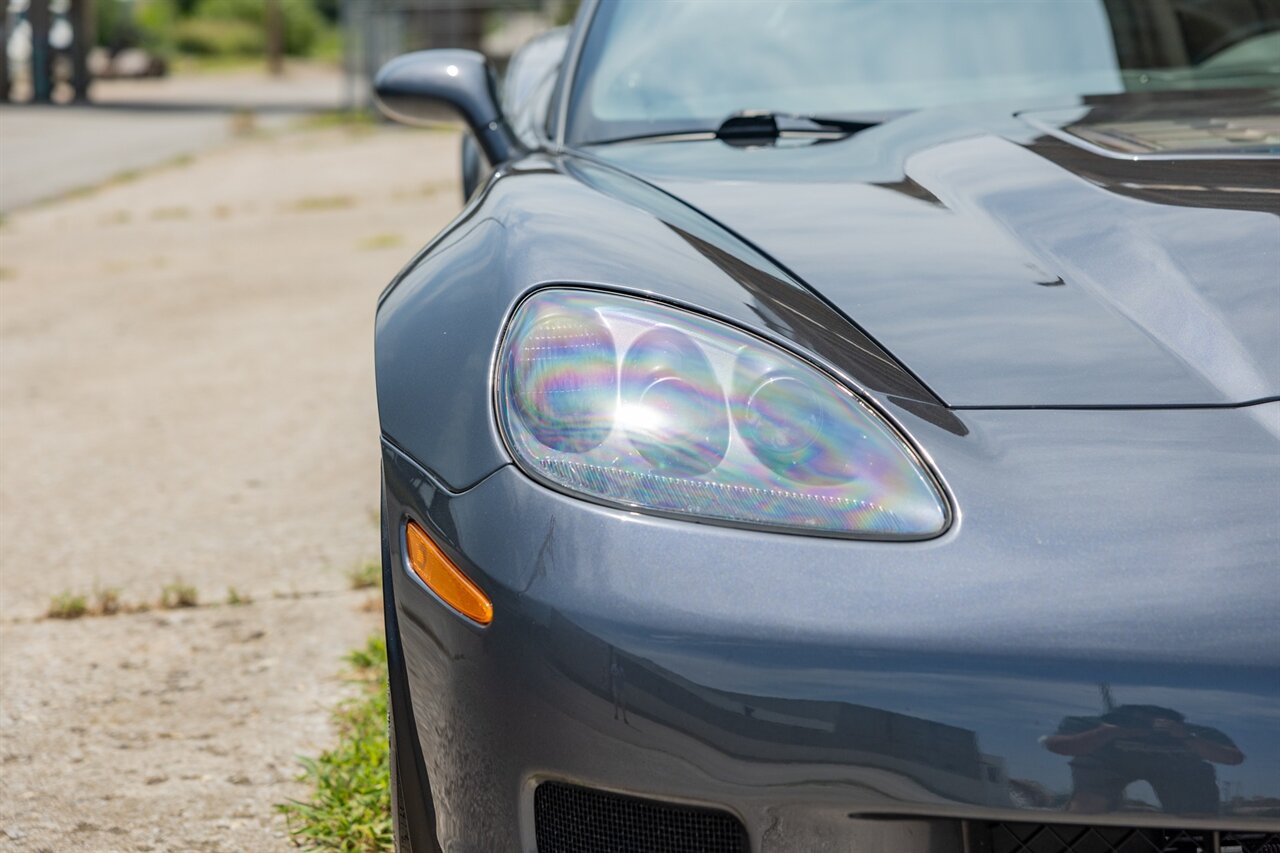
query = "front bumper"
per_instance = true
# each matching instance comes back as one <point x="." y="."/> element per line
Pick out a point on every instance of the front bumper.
<point x="813" y="687"/>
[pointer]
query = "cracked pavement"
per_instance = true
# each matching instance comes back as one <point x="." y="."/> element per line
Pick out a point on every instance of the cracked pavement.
<point x="186" y="395"/>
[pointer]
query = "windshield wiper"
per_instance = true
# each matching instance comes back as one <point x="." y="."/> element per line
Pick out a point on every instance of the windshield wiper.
<point x="752" y="127"/>
<point x="755" y="127"/>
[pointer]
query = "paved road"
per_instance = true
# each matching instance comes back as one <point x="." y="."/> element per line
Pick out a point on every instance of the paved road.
<point x="48" y="151"/>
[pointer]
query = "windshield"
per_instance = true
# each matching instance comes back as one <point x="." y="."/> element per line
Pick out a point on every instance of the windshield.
<point x="665" y="66"/>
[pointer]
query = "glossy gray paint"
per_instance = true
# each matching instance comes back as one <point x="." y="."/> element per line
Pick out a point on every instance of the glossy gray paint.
<point x="438" y="325"/>
<point x="988" y="636"/>
<point x="412" y="88"/>
<point x="1002" y="277"/>
<point x="1135" y="548"/>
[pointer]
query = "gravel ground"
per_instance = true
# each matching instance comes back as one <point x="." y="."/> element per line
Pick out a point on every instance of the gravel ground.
<point x="186" y="394"/>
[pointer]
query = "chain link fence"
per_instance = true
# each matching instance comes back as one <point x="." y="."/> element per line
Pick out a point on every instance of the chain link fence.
<point x="375" y="31"/>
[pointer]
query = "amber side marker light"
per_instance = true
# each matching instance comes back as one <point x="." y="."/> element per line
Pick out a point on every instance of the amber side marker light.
<point x="444" y="578"/>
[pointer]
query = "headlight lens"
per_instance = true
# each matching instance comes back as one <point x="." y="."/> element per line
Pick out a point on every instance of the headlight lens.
<point x="643" y="405"/>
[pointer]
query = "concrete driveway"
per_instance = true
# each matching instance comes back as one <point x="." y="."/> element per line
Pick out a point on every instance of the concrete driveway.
<point x="186" y="395"/>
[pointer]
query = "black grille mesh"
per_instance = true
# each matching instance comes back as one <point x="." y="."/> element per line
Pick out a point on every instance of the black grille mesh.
<point x="1056" y="838"/>
<point x="573" y="819"/>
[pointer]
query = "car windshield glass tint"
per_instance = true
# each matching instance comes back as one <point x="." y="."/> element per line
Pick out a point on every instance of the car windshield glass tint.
<point x="655" y="66"/>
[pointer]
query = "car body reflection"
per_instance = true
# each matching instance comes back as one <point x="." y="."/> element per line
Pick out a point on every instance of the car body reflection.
<point x="1143" y="743"/>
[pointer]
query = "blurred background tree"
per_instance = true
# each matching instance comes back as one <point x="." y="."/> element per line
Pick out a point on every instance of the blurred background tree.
<point x="151" y="38"/>
<point x="217" y="29"/>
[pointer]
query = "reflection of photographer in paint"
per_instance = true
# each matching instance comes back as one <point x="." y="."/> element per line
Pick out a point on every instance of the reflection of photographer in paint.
<point x="1148" y="743"/>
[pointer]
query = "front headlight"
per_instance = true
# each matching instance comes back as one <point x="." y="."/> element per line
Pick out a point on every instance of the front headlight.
<point x="642" y="405"/>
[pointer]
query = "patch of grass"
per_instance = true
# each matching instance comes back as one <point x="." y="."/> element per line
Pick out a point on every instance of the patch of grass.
<point x="354" y="120"/>
<point x="163" y="213"/>
<point x="235" y="598"/>
<point x="381" y="241"/>
<point x="215" y="38"/>
<point x="67" y="605"/>
<point x="431" y="188"/>
<point x="323" y="202"/>
<point x="76" y="192"/>
<point x="373" y="657"/>
<point x="177" y="595"/>
<point x="427" y="190"/>
<point x="127" y="176"/>
<point x="366" y="575"/>
<point x="106" y="602"/>
<point x="349" y="809"/>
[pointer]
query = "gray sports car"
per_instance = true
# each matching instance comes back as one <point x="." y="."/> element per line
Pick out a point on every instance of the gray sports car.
<point x="843" y="426"/>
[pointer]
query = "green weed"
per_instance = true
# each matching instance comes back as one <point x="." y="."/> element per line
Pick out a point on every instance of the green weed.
<point x="323" y="202"/>
<point x="176" y="595"/>
<point x="349" y="809"/>
<point x="106" y="601"/>
<point x="381" y="241"/>
<point x="353" y="120"/>
<point x="365" y="576"/>
<point x="67" y="605"/>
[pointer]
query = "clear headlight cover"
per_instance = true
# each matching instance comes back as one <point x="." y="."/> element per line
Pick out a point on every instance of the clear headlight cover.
<point x="641" y="405"/>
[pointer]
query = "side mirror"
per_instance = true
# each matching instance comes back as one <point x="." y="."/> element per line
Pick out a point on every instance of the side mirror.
<point x="412" y="89"/>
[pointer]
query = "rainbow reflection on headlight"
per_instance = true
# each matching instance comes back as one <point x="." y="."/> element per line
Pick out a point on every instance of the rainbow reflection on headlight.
<point x="566" y="369"/>
<point x="643" y="405"/>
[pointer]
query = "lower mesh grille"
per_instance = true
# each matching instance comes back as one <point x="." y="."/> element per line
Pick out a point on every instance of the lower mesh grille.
<point x="573" y="819"/>
<point x="1062" y="838"/>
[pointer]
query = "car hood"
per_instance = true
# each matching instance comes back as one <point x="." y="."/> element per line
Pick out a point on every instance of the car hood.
<point x="1115" y="251"/>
